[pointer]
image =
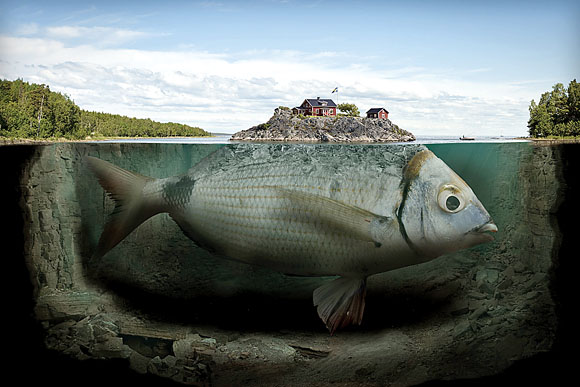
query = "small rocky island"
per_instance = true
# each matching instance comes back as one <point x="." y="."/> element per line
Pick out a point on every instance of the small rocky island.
<point x="286" y="126"/>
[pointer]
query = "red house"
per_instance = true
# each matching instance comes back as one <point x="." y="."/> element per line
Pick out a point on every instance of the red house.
<point x="378" y="113"/>
<point x="316" y="107"/>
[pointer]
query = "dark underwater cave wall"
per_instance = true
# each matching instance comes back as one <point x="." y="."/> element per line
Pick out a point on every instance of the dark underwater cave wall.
<point x="565" y="264"/>
<point x="167" y="309"/>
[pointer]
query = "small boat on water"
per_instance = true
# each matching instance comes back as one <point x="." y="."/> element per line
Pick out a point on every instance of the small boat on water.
<point x="467" y="138"/>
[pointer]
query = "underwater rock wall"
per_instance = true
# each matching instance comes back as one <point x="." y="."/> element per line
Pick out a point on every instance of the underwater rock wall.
<point x="542" y="180"/>
<point x="169" y="308"/>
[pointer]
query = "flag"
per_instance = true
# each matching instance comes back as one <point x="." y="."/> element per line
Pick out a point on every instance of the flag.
<point x="335" y="90"/>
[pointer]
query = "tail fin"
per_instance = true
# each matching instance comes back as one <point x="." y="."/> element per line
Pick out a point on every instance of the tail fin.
<point x="131" y="206"/>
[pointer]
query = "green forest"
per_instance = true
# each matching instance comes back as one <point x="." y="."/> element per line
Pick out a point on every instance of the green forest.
<point x="557" y="114"/>
<point x="29" y="110"/>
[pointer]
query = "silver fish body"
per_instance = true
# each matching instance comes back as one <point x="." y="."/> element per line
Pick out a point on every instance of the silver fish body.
<point x="350" y="211"/>
<point x="270" y="213"/>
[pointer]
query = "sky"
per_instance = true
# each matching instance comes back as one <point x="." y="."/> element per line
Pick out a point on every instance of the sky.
<point x="444" y="68"/>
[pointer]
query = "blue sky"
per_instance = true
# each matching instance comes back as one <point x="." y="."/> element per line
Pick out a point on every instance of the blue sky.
<point x="439" y="67"/>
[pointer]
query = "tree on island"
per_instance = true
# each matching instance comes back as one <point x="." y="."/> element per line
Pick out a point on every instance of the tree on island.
<point x="348" y="110"/>
<point x="557" y="113"/>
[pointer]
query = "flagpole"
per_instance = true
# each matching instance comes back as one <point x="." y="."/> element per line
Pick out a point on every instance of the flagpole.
<point x="337" y="99"/>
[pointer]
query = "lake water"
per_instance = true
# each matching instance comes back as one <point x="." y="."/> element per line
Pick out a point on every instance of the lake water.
<point x="180" y="309"/>
<point x="225" y="139"/>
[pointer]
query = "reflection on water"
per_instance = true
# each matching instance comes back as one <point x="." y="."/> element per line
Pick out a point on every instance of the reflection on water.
<point x="218" y="139"/>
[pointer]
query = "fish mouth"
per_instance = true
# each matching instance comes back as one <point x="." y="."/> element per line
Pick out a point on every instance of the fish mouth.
<point x="484" y="230"/>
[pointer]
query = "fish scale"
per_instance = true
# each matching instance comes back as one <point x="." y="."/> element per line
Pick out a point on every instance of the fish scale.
<point x="241" y="215"/>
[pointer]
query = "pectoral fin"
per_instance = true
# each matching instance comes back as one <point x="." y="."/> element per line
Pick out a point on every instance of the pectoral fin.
<point x="341" y="302"/>
<point x="352" y="220"/>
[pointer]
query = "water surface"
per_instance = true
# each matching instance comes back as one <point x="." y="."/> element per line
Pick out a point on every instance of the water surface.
<point x="225" y="139"/>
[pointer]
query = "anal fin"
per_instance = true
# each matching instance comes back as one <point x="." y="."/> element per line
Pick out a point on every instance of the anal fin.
<point x="341" y="302"/>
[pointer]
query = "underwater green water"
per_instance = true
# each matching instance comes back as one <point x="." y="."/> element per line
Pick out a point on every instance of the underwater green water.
<point x="493" y="303"/>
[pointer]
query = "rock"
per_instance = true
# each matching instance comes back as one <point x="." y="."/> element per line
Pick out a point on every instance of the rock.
<point x="511" y="345"/>
<point x="519" y="267"/>
<point x="478" y="313"/>
<point x="183" y="348"/>
<point x="165" y="367"/>
<point x="84" y="332"/>
<point x="209" y="342"/>
<point x="487" y="275"/>
<point x="535" y="280"/>
<point x="477" y="295"/>
<point x="45" y="218"/>
<point x="505" y="284"/>
<point x="461" y="329"/>
<point x="261" y="349"/>
<point x="138" y="362"/>
<point x="509" y="272"/>
<point x="460" y="307"/>
<point x="486" y="279"/>
<point x="284" y="126"/>
<point x="155" y="365"/>
<point x="477" y="303"/>
<point x="103" y="329"/>
<point x="194" y="345"/>
<point x="170" y="361"/>
<point x="113" y="347"/>
<point x="531" y="295"/>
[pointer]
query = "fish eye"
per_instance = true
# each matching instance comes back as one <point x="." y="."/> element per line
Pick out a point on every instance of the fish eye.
<point x="450" y="199"/>
<point x="452" y="203"/>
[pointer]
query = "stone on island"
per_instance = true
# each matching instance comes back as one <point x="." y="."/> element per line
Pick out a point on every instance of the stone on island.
<point x="285" y="126"/>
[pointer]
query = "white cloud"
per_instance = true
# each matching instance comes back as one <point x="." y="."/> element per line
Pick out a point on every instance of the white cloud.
<point x="65" y="32"/>
<point x="232" y="92"/>
<point x="27" y="29"/>
<point x="100" y="36"/>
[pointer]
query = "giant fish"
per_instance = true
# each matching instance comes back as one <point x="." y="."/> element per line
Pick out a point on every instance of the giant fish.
<point x="346" y="211"/>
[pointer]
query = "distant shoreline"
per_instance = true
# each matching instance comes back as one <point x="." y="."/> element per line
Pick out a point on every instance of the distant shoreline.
<point x="41" y="141"/>
<point x="575" y="140"/>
